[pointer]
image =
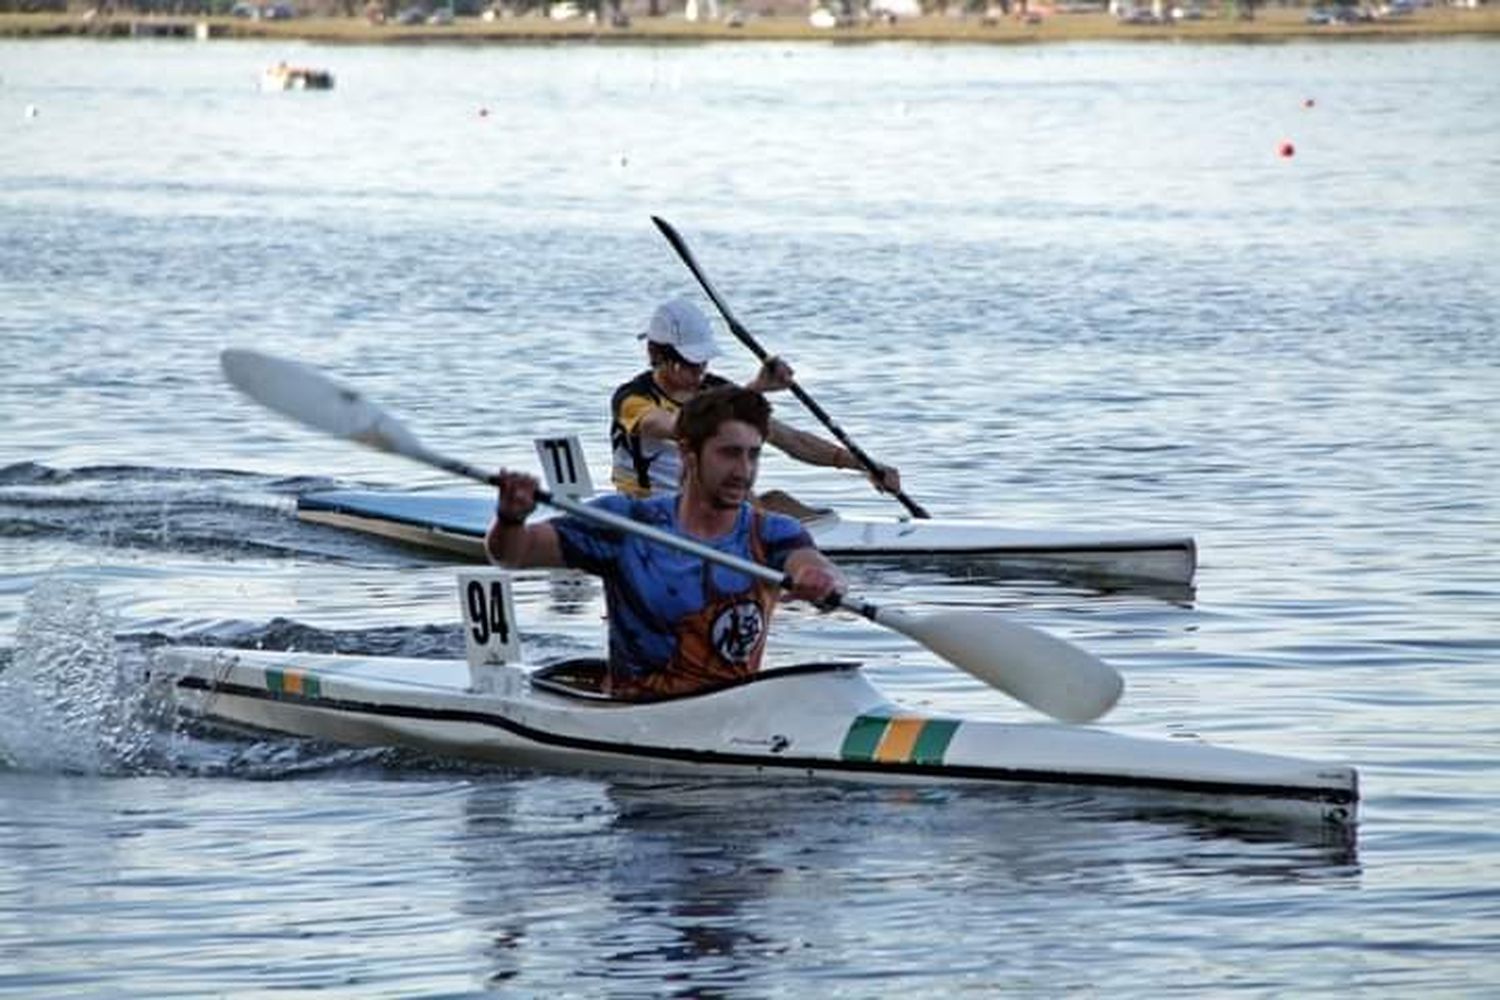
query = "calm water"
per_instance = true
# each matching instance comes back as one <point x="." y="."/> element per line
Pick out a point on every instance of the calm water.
<point x="1068" y="286"/>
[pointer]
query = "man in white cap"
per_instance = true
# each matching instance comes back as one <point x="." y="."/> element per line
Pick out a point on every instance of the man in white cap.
<point x="643" y="430"/>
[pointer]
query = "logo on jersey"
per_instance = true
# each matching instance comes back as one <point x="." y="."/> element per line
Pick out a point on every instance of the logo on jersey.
<point x="737" y="630"/>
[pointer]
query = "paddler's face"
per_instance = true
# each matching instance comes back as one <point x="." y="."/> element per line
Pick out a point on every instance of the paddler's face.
<point x="724" y="469"/>
<point x="678" y="375"/>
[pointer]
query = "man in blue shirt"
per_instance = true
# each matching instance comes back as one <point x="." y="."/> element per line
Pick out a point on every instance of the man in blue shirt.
<point x="678" y="623"/>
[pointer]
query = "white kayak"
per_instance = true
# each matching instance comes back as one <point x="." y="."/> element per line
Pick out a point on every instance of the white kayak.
<point x="456" y="523"/>
<point x="817" y="720"/>
<point x="821" y="721"/>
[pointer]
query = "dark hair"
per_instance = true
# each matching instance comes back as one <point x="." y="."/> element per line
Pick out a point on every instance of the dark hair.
<point x="706" y="412"/>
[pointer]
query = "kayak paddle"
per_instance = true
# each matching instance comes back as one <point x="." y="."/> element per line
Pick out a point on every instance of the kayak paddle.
<point x="1041" y="670"/>
<point x="736" y="328"/>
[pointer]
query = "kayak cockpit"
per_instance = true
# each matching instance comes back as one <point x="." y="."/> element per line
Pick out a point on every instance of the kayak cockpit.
<point x="583" y="678"/>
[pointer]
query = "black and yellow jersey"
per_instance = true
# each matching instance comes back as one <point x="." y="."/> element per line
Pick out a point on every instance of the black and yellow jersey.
<point x="643" y="465"/>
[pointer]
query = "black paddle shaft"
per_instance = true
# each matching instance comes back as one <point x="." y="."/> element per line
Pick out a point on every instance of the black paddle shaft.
<point x="738" y="329"/>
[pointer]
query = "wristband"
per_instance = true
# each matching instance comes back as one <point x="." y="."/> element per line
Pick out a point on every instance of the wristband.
<point x="508" y="520"/>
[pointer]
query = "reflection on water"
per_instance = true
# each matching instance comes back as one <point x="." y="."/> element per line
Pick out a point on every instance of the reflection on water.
<point x="736" y="879"/>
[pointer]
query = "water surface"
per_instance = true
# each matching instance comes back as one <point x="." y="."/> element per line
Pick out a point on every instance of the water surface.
<point x="1069" y="286"/>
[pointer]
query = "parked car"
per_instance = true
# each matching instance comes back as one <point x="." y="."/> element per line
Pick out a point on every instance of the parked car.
<point x="1342" y="14"/>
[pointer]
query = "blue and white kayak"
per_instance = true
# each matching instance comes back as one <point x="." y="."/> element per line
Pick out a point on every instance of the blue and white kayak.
<point x="814" y="721"/>
<point x="456" y="523"/>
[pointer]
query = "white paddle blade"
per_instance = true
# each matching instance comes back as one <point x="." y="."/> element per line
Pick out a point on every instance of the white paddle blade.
<point x="309" y="397"/>
<point x="1041" y="670"/>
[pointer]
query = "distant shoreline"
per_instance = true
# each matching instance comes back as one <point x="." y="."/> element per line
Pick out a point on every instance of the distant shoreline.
<point x="1278" y="25"/>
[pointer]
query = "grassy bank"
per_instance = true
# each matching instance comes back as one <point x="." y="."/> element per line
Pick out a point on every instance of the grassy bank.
<point x="1270" y="25"/>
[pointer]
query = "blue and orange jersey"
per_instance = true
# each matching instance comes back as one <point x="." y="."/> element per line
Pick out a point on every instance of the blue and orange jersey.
<point x="678" y="623"/>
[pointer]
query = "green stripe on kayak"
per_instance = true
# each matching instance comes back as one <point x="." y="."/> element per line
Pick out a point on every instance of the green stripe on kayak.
<point x="863" y="737"/>
<point x="933" y="743"/>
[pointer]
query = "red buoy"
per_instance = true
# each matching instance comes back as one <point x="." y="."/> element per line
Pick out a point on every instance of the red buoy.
<point x="1286" y="149"/>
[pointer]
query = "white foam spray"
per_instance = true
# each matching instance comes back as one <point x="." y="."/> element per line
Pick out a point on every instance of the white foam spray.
<point x="67" y="703"/>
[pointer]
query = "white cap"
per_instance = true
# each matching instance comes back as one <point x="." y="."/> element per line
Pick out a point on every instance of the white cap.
<point x="682" y="326"/>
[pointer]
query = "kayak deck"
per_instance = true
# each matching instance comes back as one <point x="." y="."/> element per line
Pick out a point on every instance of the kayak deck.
<point x="817" y="720"/>
<point x="455" y="524"/>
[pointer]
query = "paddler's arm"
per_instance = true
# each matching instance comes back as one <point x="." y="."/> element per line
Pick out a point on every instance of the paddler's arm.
<point x="657" y="423"/>
<point x="638" y="415"/>
<point x="813" y="577"/>
<point x="776" y="375"/>
<point x="815" y="450"/>
<point x="510" y="541"/>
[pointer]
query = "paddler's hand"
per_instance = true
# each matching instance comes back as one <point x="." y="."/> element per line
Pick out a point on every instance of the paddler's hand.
<point x="886" y="478"/>
<point x="815" y="579"/>
<point x="517" y="497"/>
<point x="774" y="376"/>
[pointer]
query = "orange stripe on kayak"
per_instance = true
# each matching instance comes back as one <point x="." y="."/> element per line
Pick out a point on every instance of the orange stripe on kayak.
<point x="899" y="740"/>
<point x="293" y="682"/>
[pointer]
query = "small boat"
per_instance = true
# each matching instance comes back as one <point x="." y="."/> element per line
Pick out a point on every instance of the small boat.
<point x="456" y="523"/>
<point x="284" y="77"/>
<point x="810" y="721"/>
